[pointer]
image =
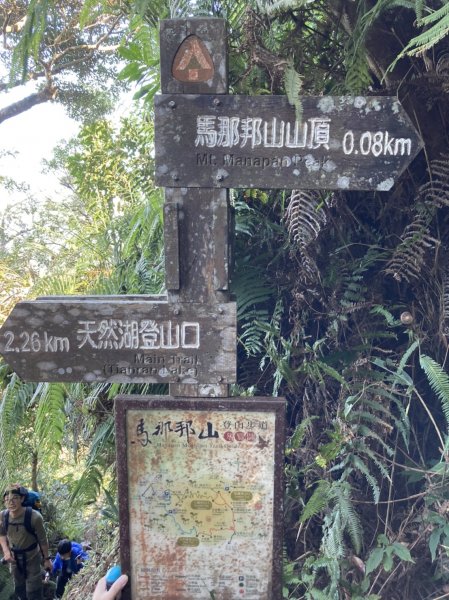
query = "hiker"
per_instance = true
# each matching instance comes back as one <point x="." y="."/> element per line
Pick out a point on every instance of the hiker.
<point x="68" y="561"/>
<point x="24" y="543"/>
<point x="101" y="592"/>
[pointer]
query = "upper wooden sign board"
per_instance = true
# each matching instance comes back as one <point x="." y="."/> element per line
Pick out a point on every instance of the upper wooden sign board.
<point x="121" y="340"/>
<point x="342" y="142"/>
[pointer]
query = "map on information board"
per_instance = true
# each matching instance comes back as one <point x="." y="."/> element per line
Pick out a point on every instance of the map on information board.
<point x="201" y="502"/>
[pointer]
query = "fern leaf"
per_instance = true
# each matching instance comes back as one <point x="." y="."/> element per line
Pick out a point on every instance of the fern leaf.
<point x="438" y="380"/>
<point x="409" y="257"/>
<point x="360" y="465"/>
<point x="50" y="416"/>
<point x="363" y="449"/>
<point x="429" y="37"/>
<point x="305" y="217"/>
<point x="293" y="85"/>
<point x="445" y="301"/>
<point x="317" y="501"/>
<point x="30" y="38"/>
<point x="367" y="432"/>
<point x="350" y="518"/>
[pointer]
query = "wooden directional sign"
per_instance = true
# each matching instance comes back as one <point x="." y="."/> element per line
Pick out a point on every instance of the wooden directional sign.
<point x="343" y="143"/>
<point x="121" y="340"/>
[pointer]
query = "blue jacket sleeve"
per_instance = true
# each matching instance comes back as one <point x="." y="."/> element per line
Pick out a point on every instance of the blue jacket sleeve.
<point x="77" y="551"/>
<point x="57" y="564"/>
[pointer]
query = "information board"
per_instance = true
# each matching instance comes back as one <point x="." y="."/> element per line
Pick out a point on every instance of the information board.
<point x="201" y="497"/>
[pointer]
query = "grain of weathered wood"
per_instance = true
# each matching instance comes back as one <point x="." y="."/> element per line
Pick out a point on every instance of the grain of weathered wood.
<point x="171" y="246"/>
<point x="342" y="142"/>
<point x="202" y="238"/>
<point x="121" y="340"/>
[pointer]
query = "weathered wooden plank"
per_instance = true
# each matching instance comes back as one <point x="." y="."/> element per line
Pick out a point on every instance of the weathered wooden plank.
<point x="123" y="341"/>
<point x="203" y="481"/>
<point x="107" y="298"/>
<point x="202" y="237"/>
<point x="342" y="143"/>
<point x="224" y="230"/>
<point x="171" y="246"/>
<point x="194" y="56"/>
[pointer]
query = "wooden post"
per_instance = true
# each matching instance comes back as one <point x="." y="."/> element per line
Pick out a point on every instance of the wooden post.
<point x="197" y="222"/>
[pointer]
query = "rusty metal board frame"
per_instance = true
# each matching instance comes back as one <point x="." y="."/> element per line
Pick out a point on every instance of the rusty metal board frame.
<point x="342" y="142"/>
<point x="117" y="339"/>
<point x="201" y="497"/>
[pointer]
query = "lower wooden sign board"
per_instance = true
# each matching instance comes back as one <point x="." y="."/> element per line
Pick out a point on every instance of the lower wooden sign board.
<point x="201" y="497"/>
<point x="120" y="340"/>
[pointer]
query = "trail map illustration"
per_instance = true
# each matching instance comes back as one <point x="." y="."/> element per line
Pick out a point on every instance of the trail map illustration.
<point x="201" y="504"/>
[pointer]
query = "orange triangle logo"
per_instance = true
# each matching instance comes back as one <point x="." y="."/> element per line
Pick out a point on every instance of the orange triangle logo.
<point x="192" y="61"/>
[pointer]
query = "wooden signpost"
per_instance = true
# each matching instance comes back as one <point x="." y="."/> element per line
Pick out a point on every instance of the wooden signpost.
<point x="120" y="339"/>
<point x="196" y="534"/>
<point x="342" y="142"/>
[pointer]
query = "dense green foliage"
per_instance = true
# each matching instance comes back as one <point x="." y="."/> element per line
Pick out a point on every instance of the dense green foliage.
<point x="343" y="298"/>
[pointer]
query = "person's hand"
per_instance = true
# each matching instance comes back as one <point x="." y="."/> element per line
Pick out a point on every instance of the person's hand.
<point x="101" y="593"/>
<point x="9" y="558"/>
<point x="48" y="565"/>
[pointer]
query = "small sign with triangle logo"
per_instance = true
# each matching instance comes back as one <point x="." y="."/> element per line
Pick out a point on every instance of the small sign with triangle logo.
<point x="192" y="61"/>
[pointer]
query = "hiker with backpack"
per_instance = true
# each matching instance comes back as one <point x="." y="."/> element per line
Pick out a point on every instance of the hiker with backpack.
<point x="68" y="561"/>
<point x="24" y="543"/>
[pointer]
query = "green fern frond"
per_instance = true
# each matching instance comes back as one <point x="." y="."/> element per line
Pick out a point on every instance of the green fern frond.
<point x="317" y="501"/>
<point x="305" y="217"/>
<point x="14" y="402"/>
<point x="332" y="542"/>
<point x="360" y="466"/>
<point x="30" y="38"/>
<point x="438" y="380"/>
<point x="358" y="78"/>
<point x="363" y="449"/>
<point x="357" y="416"/>
<point x="349" y="518"/>
<point x="293" y="86"/>
<point x="389" y="318"/>
<point x="104" y="436"/>
<point x="419" y="9"/>
<point x="253" y="332"/>
<point x="409" y="256"/>
<point x="89" y="486"/>
<point x="298" y="436"/>
<point x="430" y="37"/>
<point x="404" y="359"/>
<point x="367" y="432"/>
<point x="50" y="416"/>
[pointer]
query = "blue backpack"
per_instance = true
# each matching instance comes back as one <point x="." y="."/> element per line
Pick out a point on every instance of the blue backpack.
<point x="33" y="499"/>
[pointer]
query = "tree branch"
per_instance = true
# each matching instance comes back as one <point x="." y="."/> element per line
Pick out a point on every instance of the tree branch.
<point x="16" y="108"/>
